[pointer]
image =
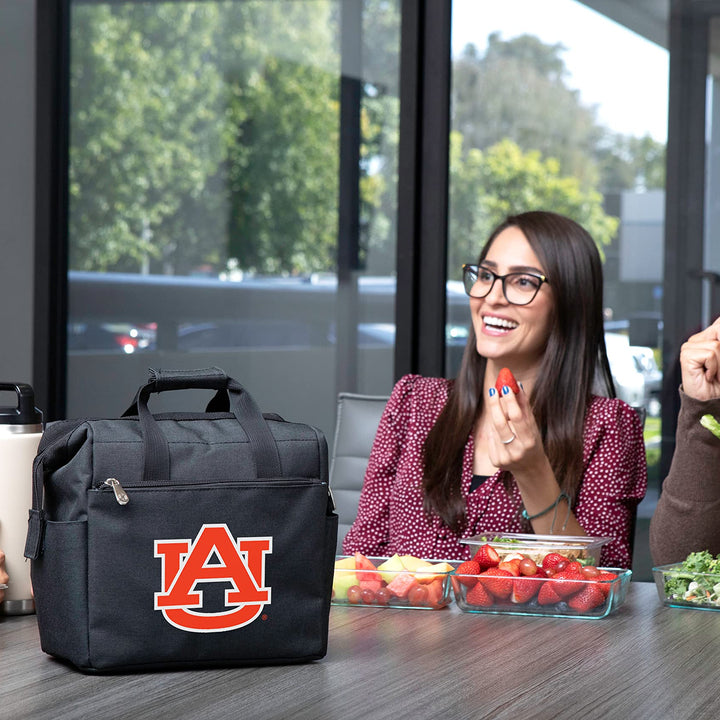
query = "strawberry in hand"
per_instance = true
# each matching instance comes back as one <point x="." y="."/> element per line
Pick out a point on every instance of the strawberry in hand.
<point x="505" y="377"/>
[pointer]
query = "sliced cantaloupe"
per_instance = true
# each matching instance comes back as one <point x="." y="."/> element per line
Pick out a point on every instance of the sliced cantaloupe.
<point x="347" y="563"/>
<point x="412" y="563"/>
<point x="426" y="575"/>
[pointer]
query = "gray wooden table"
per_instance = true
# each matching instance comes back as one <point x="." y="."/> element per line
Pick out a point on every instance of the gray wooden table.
<point x="644" y="661"/>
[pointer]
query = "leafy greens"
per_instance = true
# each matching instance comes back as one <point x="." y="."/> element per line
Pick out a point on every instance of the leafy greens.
<point x="696" y="580"/>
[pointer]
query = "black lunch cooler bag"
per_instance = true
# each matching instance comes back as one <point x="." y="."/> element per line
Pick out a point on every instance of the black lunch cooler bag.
<point x="182" y="539"/>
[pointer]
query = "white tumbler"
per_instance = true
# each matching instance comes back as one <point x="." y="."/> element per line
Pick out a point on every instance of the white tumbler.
<point x="20" y="432"/>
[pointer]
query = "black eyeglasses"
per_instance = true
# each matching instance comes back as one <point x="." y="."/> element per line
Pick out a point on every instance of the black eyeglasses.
<point x="518" y="288"/>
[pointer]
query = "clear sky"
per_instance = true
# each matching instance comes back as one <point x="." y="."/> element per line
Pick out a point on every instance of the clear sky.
<point x="621" y="73"/>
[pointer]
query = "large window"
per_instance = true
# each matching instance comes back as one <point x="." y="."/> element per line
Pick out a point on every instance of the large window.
<point x="232" y="198"/>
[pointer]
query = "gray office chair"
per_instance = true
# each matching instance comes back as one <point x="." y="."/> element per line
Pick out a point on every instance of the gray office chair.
<point x="357" y="421"/>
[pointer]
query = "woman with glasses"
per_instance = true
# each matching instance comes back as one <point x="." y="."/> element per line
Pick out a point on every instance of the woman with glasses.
<point x="456" y="458"/>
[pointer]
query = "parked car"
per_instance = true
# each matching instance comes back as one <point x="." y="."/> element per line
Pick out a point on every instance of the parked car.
<point x="631" y="383"/>
<point x="109" y="337"/>
<point x="647" y="366"/>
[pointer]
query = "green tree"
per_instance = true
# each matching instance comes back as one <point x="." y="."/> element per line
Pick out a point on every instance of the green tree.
<point x="283" y="119"/>
<point x="489" y="185"/>
<point x="517" y="89"/>
<point x="630" y="163"/>
<point x="146" y="95"/>
<point x="198" y="136"/>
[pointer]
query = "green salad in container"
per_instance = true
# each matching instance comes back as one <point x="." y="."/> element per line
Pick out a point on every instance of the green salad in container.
<point x="696" y="580"/>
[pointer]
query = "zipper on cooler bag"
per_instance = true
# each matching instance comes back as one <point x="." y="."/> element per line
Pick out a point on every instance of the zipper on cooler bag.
<point x="120" y="495"/>
<point x="123" y="498"/>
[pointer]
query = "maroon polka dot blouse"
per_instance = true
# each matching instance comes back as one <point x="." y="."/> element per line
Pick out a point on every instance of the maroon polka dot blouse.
<point x="390" y="515"/>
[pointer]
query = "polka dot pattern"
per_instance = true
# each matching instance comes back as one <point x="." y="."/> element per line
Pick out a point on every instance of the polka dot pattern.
<point x="391" y="517"/>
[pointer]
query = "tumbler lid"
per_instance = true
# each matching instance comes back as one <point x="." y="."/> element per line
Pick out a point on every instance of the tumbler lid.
<point x="25" y="413"/>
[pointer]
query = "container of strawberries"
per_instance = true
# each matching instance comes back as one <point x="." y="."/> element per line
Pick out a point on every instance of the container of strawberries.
<point x="551" y="584"/>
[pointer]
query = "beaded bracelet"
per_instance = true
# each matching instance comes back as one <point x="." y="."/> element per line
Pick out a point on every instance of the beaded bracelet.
<point x="554" y="506"/>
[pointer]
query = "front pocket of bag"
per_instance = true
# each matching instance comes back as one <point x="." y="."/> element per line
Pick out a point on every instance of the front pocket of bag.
<point x="208" y="574"/>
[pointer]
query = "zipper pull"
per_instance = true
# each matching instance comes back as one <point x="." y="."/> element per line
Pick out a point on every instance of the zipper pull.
<point x="120" y="495"/>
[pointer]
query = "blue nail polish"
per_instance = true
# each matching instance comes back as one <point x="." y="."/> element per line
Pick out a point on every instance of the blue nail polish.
<point x="506" y="389"/>
<point x="492" y="392"/>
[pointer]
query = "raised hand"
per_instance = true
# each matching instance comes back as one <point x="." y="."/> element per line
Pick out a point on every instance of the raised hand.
<point x="514" y="442"/>
<point x="700" y="363"/>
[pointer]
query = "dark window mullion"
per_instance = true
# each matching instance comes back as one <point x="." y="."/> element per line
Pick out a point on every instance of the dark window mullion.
<point x="409" y="165"/>
<point x="684" y="209"/>
<point x="423" y="187"/>
<point x="51" y="256"/>
<point x="434" y="190"/>
<point x="347" y="309"/>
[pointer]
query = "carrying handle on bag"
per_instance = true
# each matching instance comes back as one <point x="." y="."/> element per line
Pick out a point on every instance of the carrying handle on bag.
<point x="241" y="404"/>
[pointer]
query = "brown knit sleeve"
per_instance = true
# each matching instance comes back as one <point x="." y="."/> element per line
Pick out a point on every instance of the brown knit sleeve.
<point x="687" y="517"/>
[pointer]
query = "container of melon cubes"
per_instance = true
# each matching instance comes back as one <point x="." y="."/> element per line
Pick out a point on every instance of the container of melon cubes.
<point x="400" y="581"/>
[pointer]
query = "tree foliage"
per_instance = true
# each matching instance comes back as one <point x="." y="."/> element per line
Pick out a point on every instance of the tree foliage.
<point x="196" y="139"/>
<point x="208" y="131"/>
<point x="489" y="185"/>
<point x="282" y="165"/>
<point x="145" y="100"/>
<point x="517" y="90"/>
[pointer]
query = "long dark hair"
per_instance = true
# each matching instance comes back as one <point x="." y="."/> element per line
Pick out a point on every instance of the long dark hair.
<point x="575" y="360"/>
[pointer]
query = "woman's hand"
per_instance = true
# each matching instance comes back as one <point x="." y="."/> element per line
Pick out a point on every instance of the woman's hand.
<point x="3" y="575"/>
<point x="514" y="443"/>
<point x="700" y="363"/>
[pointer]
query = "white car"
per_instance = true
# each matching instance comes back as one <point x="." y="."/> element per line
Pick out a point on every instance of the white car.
<point x="630" y="383"/>
<point x="646" y="365"/>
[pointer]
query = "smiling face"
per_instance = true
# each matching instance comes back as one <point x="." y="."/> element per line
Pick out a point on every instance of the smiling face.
<point x="506" y="334"/>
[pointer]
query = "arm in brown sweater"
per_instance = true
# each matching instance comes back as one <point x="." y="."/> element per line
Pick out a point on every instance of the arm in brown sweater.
<point x="687" y="517"/>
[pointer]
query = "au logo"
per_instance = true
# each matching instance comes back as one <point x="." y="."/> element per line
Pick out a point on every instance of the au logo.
<point x="214" y="556"/>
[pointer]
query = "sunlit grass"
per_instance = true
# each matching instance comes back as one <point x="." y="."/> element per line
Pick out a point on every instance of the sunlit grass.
<point x="652" y="429"/>
<point x="651" y="435"/>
